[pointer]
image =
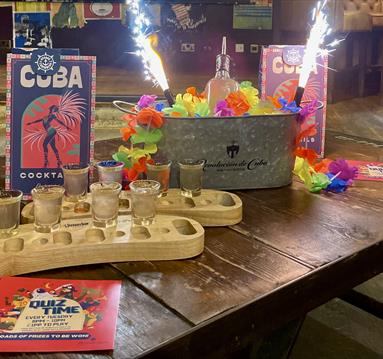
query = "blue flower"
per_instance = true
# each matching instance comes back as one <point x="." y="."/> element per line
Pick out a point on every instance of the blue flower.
<point x="159" y="107"/>
<point x="337" y="185"/>
<point x="290" y="107"/>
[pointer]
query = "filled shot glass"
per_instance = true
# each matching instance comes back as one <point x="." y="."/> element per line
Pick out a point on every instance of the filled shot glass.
<point x="76" y="178"/>
<point x="191" y="172"/>
<point x="47" y="203"/>
<point x="9" y="212"/>
<point x="159" y="171"/>
<point x="105" y="203"/>
<point x="144" y="194"/>
<point x="110" y="171"/>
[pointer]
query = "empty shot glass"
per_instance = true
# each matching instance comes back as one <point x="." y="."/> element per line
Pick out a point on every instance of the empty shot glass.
<point x="47" y="203"/>
<point x="191" y="172"/>
<point x="144" y="194"/>
<point x="110" y="171"/>
<point x="9" y="212"/>
<point x="76" y="178"/>
<point x="160" y="171"/>
<point x="105" y="203"/>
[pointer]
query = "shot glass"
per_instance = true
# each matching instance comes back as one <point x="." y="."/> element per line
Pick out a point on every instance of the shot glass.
<point x="144" y="194"/>
<point x="105" y="203"/>
<point x="191" y="172"/>
<point x="47" y="203"/>
<point x="9" y="212"/>
<point x="160" y="171"/>
<point x="76" y="178"/>
<point x="110" y="171"/>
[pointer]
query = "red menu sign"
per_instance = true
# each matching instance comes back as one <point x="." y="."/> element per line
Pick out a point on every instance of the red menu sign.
<point x="43" y="315"/>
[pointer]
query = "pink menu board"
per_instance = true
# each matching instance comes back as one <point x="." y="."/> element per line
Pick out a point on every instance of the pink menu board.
<point x="279" y="75"/>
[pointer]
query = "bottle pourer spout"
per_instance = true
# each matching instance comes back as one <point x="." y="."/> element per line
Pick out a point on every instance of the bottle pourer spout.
<point x="223" y="52"/>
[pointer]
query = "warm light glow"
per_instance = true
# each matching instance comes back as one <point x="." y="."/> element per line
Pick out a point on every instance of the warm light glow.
<point x="318" y="32"/>
<point x="153" y="68"/>
<point x="153" y="61"/>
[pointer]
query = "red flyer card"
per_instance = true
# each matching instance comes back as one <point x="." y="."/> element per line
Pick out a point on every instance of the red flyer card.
<point x="46" y="315"/>
<point x="368" y="171"/>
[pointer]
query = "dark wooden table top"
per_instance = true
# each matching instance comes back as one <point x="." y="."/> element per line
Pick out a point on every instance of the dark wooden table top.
<point x="292" y="252"/>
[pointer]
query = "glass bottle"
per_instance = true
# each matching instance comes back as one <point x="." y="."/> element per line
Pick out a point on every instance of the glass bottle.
<point x="221" y="85"/>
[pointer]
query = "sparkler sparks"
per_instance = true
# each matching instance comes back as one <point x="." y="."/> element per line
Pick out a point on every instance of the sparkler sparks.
<point x="315" y="46"/>
<point x="145" y="42"/>
<point x="318" y="32"/>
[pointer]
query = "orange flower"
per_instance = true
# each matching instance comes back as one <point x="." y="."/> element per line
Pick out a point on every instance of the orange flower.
<point x="140" y="165"/>
<point x="132" y="174"/>
<point x="322" y="166"/>
<point x="194" y="93"/>
<point x="275" y="102"/>
<point x="128" y="117"/>
<point x="151" y="117"/>
<point x="307" y="153"/>
<point x="309" y="131"/>
<point x="126" y="132"/>
<point x="238" y="103"/>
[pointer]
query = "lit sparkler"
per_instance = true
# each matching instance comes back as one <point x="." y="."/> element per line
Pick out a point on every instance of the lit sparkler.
<point x="315" y="46"/>
<point x="145" y="42"/>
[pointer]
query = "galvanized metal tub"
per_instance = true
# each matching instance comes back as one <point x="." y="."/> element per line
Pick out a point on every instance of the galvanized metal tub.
<point x="240" y="152"/>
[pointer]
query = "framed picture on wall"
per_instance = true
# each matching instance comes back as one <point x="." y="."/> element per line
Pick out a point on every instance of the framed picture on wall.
<point x="32" y="29"/>
<point x="258" y="15"/>
<point x="102" y="11"/>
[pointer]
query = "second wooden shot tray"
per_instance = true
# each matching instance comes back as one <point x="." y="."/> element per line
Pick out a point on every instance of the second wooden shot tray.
<point x="212" y="208"/>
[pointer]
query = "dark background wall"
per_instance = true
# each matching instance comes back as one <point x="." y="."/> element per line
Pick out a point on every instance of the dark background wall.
<point x="110" y="41"/>
<point x="5" y="23"/>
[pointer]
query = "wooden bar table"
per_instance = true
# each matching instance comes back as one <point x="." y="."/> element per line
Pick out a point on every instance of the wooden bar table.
<point x="292" y="252"/>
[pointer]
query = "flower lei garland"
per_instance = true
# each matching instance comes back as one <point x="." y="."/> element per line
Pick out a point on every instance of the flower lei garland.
<point x="193" y="104"/>
<point x="143" y="132"/>
<point x="328" y="175"/>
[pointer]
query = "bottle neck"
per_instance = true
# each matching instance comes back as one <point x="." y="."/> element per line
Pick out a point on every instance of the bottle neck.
<point x="222" y="67"/>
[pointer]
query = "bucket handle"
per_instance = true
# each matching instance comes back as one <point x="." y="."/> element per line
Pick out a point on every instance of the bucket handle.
<point x="118" y="103"/>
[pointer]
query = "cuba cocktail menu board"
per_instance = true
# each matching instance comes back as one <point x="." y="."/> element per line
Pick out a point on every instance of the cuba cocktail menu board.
<point x="50" y="116"/>
<point x="38" y="315"/>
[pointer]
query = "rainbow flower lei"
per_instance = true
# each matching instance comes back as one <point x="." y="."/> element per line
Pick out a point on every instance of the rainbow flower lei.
<point x="143" y="132"/>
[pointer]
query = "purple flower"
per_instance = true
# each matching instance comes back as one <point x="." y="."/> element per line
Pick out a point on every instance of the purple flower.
<point x="346" y="172"/>
<point x="337" y="185"/>
<point x="222" y="109"/>
<point x="146" y="101"/>
<point x="307" y="110"/>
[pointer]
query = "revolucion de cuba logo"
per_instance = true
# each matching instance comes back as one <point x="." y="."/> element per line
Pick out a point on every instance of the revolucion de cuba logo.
<point x="232" y="151"/>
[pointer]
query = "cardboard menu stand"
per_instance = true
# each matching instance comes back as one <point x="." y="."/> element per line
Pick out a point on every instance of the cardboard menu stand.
<point x="50" y="115"/>
<point x="279" y="75"/>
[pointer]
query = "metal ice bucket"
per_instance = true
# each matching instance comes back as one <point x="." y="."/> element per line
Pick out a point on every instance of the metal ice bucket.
<point x="240" y="152"/>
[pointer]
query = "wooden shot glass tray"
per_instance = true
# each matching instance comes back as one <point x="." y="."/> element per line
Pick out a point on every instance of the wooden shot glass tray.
<point x="212" y="208"/>
<point x="77" y="243"/>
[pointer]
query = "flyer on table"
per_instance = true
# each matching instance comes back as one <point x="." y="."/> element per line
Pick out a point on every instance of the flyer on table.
<point x="368" y="171"/>
<point x="43" y="315"/>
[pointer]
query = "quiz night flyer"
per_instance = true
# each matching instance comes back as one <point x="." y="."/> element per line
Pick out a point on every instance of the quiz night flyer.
<point x="56" y="315"/>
